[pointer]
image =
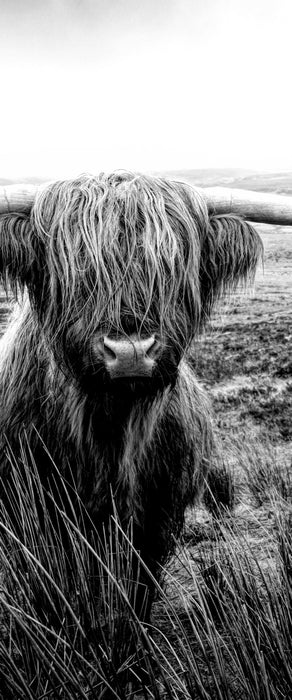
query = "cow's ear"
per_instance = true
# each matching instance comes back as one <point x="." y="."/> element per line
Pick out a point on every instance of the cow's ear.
<point x="16" y="250"/>
<point x="230" y="252"/>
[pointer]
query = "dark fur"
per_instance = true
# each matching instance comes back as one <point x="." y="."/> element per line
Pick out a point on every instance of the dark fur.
<point x="110" y="255"/>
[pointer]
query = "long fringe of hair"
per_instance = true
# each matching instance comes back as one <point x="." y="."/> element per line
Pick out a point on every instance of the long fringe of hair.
<point x="121" y="247"/>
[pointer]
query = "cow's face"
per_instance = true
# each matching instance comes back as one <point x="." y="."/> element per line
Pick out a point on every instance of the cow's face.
<point x="115" y="282"/>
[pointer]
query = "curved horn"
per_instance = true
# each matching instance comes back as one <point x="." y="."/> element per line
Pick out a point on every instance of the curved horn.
<point x="17" y="198"/>
<point x="262" y="207"/>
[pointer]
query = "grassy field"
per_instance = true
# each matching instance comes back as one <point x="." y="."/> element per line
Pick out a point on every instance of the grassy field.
<point x="245" y="357"/>
<point x="222" y="625"/>
<point x="237" y="546"/>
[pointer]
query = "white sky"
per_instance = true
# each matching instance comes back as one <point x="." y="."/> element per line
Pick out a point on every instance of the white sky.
<point x="87" y="85"/>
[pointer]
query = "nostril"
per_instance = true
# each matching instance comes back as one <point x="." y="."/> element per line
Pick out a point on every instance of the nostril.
<point x="109" y="355"/>
<point x="109" y="351"/>
<point x="152" y="350"/>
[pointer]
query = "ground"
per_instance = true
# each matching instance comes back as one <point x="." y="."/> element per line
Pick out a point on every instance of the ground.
<point x="245" y="359"/>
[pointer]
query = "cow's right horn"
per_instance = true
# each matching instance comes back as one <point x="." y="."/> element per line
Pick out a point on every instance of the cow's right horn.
<point x="263" y="207"/>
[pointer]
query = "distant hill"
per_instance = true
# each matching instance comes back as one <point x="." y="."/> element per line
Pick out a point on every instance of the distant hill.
<point x="34" y="180"/>
<point x="209" y="176"/>
<point x="280" y="182"/>
<point x="268" y="182"/>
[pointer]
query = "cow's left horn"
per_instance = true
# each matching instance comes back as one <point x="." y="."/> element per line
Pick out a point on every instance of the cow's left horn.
<point x="17" y="198"/>
<point x="262" y="207"/>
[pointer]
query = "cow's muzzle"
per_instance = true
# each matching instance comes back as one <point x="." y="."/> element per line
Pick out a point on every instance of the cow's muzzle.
<point x="130" y="357"/>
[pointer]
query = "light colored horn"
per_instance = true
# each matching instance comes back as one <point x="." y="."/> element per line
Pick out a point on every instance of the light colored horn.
<point x="262" y="207"/>
<point x="17" y="198"/>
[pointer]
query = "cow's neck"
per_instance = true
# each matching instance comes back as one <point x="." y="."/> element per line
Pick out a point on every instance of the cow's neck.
<point x="111" y="440"/>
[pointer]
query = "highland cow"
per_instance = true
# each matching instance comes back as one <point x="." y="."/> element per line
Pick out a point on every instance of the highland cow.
<point x="114" y="278"/>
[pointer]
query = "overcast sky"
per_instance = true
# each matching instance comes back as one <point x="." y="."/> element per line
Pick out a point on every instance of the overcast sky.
<point x="91" y="85"/>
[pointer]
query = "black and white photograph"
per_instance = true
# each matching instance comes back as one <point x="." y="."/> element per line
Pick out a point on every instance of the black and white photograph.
<point x="145" y="350"/>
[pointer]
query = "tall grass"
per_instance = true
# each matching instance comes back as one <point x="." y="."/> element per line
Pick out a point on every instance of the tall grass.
<point x="222" y="629"/>
<point x="267" y="473"/>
